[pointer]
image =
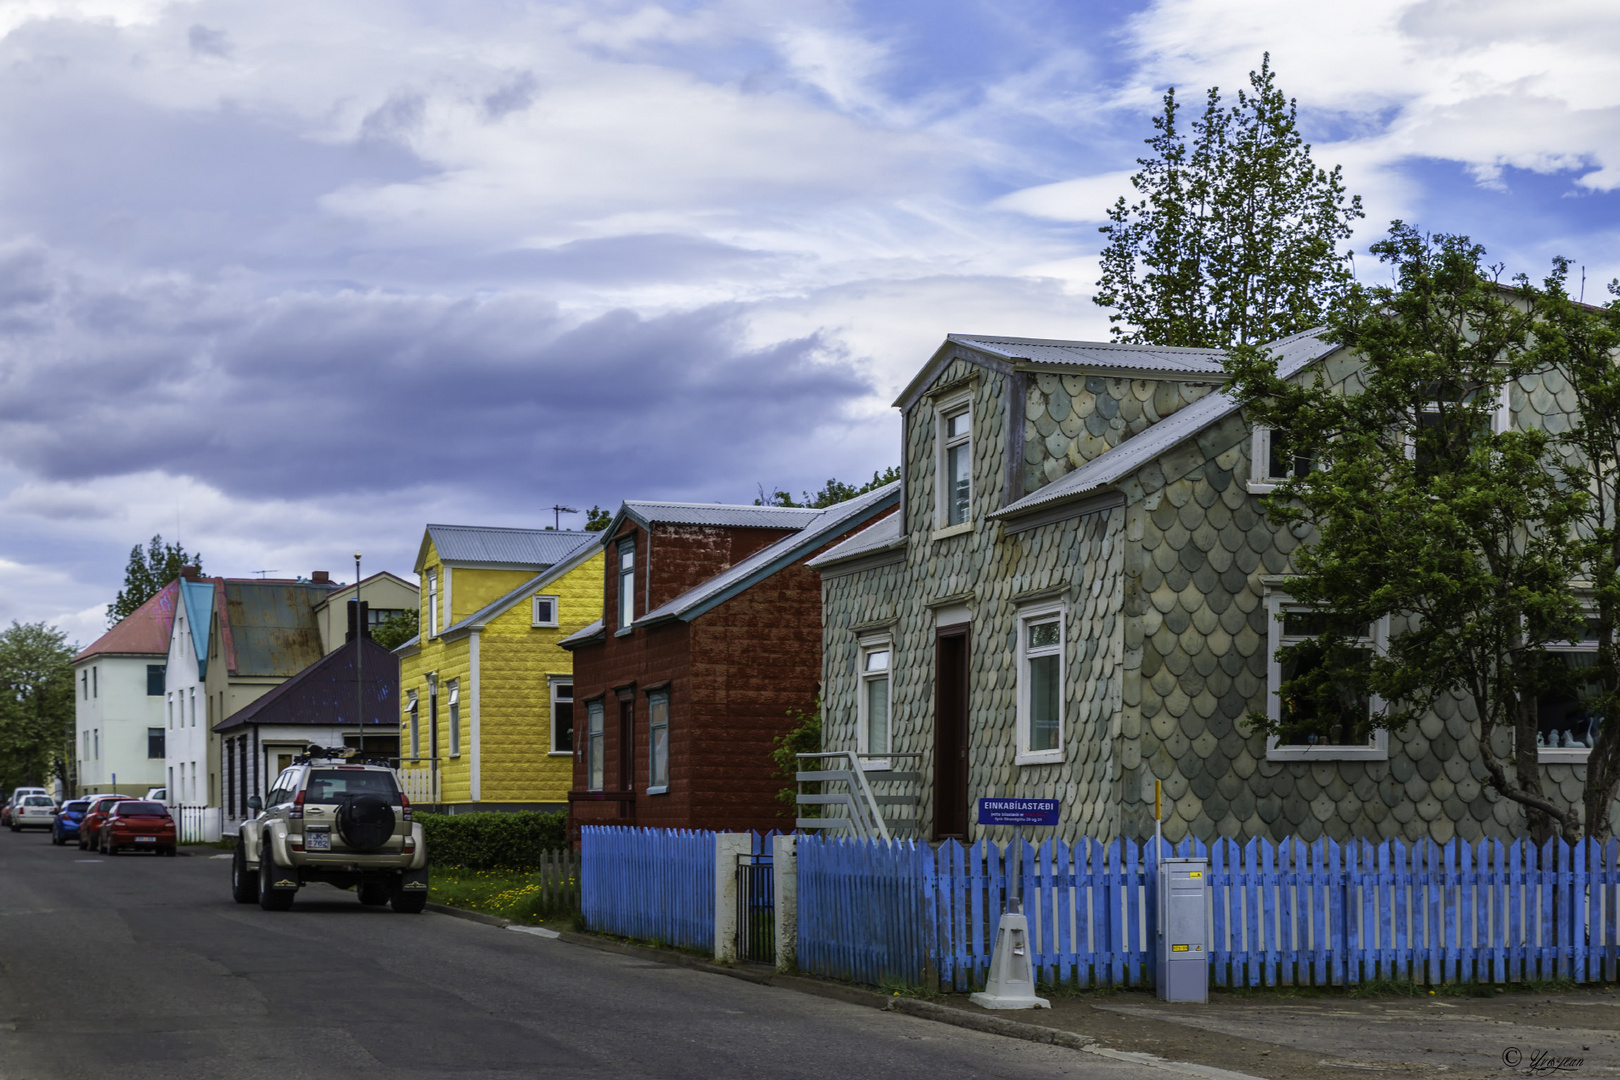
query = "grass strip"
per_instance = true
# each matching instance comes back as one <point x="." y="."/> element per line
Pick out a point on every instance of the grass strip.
<point x="518" y="895"/>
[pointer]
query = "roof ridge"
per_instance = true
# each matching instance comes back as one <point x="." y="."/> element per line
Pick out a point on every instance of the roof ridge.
<point x="711" y="506"/>
<point x="509" y="528"/>
<point x="1081" y="343"/>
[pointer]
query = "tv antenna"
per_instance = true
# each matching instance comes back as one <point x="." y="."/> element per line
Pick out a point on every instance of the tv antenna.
<point x="556" y="515"/>
<point x="261" y="573"/>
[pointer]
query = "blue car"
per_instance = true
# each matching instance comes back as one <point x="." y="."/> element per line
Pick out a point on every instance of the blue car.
<point x="66" y="825"/>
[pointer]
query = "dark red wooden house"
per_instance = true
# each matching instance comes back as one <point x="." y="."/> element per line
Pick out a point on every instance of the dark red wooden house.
<point x="710" y="633"/>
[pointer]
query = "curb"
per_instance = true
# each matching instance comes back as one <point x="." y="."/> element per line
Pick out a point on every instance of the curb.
<point x="470" y="916"/>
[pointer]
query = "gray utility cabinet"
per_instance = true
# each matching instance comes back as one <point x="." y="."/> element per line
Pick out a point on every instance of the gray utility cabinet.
<point x="1182" y="969"/>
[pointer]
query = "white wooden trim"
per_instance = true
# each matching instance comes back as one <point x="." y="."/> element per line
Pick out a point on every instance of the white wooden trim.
<point x="474" y="730"/>
<point x="1377" y="749"/>
<point x="1026" y="615"/>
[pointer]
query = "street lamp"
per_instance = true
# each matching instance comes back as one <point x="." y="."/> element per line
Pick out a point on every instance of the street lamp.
<point x="359" y="657"/>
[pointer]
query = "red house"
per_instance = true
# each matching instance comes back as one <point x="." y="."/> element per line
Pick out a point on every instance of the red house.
<point x="710" y="633"/>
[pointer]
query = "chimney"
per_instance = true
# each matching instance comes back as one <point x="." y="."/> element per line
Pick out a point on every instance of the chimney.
<point x="190" y="573"/>
<point x="359" y="615"/>
<point x="320" y="577"/>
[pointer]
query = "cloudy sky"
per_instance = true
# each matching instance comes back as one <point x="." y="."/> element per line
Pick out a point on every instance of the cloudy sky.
<point x="287" y="280"/>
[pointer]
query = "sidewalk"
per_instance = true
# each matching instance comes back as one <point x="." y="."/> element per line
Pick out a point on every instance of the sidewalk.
<point x="1279" y="1035"/>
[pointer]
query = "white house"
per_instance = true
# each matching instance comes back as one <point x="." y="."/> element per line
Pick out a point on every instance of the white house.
<point x="119" y="685"/>
<point x="185" y="698"/>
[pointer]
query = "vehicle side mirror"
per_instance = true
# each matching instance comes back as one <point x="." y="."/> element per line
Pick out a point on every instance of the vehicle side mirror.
<point x="255" y="803"/>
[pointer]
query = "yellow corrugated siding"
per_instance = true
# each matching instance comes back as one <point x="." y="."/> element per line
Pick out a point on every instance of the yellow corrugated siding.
<point x="516" y="660"/>
<point x="472" y="589"/>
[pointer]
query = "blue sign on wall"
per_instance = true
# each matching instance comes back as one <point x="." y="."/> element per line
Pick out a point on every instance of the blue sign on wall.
<point x="1018" y="811"/>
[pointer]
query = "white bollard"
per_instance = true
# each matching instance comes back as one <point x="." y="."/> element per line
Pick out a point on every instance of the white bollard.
<point x="785" y="872"/>
<point x="1011" y="984"/>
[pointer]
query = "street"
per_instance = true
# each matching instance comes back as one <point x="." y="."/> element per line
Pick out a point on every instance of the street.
<point x="137" y="967"/>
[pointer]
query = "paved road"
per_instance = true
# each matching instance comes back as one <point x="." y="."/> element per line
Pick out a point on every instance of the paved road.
<point x="140" y="967"/>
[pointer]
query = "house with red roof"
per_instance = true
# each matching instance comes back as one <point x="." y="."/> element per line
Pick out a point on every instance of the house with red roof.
<point x="118" y="690"/>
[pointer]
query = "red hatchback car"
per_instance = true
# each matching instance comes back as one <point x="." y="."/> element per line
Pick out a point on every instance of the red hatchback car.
<point x="94" y="815"/>
<point x="138" y="823"/>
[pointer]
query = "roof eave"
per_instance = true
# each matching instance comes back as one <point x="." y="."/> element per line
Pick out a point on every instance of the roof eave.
<point x="950" y="349"/>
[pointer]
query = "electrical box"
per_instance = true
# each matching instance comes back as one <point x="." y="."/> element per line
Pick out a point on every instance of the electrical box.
<point x="1182" y="970"/>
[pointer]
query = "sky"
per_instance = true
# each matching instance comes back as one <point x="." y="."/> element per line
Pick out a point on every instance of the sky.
<point x="286" y="281"/>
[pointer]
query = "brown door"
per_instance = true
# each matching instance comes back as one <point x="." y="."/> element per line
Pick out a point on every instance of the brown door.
<point x="951" y="733"/>
<point x="627" y="750"/>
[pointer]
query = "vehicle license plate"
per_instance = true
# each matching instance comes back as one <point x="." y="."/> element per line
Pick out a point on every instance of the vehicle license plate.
<point x="146" y="839"/>
<point x="318" y="841"/>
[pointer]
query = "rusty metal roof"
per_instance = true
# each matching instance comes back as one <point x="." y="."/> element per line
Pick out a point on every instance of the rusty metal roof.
<point x="324" y="693"/>
<point x="273" y="626"/>
<point x="477" y="545"/>
<point x="143" y="632"/>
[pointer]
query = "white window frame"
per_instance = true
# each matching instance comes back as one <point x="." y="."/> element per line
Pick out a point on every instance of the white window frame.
<point x="538" y="601"/>
<point x="433" y="602"/>
<point x="557" y="683"/>
<point x="869" y="647"/>
<point x="1042" y="613"/>
<point x="413" y="722"/>
<point x="95" y="741"/>
<point x="1574" y="755"/>
<point x="654" y="725"/>
<point x="1377" y="749"/>
<point x="170" y="696"/>
<point x="1260" y="482"/>
<point x="453" y="713"/>
<point x="944" y="412"/>
<point x="95" y="682"/>
<point x="595" y="748"/>
<point x="627" y="585"/>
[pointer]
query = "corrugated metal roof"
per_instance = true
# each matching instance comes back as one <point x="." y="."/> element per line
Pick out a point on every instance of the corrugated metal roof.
<point x="879" y="536"/>
<point x="324" y="692"/>
<point x="475" y="544"/>
<point x="144" y="631"/>
<point x="720" y="514"/>
<point x="582" y="635"/>
<point x="1099" y="354"/>
<point x="273" y="625"/>
<point x="768" y="560"/>
<point x="1293" y="354"/>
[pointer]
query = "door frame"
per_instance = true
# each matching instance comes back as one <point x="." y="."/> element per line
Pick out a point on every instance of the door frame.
<point x="952" y="739"/>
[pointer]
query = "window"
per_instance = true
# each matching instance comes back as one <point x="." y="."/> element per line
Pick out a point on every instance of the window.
<point x="84" y="685"/>
<point x="154" y="742"/>
<point x="562" y="716"/>
<point x="415" y="731"/>
<point x="95" y="742"/>
<point x="955" y="463"/>
<point x="84" y="737"/>
<point x="95" y="683"/>
<point x="171" y="712"/>
<point x="594" y="766"/>
<point x="1271" y="461"/>
<point x="170" y="792"/>
<point x="1449" y="409"/>
<point x="1566" y="727"/>
<point x="545" y="611"/>
<point x="193" y="706"/>
<point x="657" y="743"/>
<point x="627" y="584"/>
<point x="455" y="717"/>
<point x="1040" y="684"/>
<point x="433" y="602"/>
<point x="1335" y="723"/>
<point x="154" y="680"/>
<point x="873" y="703"/>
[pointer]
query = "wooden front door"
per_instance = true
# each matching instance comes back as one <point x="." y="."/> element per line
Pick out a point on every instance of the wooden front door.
<point x="951" y="733"/>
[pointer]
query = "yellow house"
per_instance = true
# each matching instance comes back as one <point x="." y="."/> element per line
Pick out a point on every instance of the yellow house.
<point x="487" y="696"/>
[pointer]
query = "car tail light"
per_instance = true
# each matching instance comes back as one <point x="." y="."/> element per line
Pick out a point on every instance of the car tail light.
<point x="410" y="844"/>
<point x="405" y="806"/>
<point x="296" y="845"/>
<point x="297" y="810"/>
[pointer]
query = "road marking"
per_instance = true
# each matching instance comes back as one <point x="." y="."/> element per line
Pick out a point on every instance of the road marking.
<point x="89" y="860"/>
<point x="1185" y="1068"/>
<point x="537" y="931"/>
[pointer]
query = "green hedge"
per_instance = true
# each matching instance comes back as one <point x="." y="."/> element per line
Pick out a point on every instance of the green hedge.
<point x="492" y="841"/>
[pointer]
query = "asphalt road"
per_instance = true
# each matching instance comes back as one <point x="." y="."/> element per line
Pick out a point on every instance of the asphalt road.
<point x="141" y="967"/>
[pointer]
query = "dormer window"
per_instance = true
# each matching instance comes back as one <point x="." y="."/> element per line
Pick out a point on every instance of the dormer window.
<point x="433" y="602"/>
<point x="627" y="584"/>
<point x="954" y="467"/>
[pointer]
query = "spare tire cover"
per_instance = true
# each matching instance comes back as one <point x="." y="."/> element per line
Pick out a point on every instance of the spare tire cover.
<point x="365" y="822"/>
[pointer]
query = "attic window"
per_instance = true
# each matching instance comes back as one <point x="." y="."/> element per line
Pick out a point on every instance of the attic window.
<point x="954" y="462"/>
<point x="545" y="611"/>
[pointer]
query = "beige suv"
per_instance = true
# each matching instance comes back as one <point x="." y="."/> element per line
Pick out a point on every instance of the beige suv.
<point x="331" y="818"/>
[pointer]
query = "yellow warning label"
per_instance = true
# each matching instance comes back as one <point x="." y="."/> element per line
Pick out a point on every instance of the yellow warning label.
<point x="1196" y="873"/>
<point x="1178" y="948"/>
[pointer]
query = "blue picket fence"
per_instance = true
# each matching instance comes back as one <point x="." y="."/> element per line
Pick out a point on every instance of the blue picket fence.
<point x="648" y="884"/>
<point x="1285" y="913"/>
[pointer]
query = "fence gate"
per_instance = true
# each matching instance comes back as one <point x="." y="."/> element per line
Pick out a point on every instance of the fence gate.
<point x="756" y="908"/>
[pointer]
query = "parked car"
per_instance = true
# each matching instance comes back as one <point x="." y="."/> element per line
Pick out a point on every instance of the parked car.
<point x="137" y="823"/>
<point x="66" y="825"/>
<point x="328" y="820"/>
<point x="161" y="794"/>
<point x="94" y="815"/>
<point x="33" y="812"/>
<point x="17" y="795"/>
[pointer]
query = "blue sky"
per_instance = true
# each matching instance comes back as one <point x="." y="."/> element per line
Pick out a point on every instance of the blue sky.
<point x="290" y="280"/>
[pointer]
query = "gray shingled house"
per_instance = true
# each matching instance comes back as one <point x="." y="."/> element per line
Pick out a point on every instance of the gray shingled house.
<point x="1081" y="594"/>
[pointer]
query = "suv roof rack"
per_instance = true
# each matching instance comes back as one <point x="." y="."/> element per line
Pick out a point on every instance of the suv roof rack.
<point x="346" y="754"/>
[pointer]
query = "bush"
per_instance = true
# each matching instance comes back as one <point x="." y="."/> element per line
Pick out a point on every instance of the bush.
<point x="492" y="841"/>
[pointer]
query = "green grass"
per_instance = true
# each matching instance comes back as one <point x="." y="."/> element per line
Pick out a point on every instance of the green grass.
<point x="511" y="894"/>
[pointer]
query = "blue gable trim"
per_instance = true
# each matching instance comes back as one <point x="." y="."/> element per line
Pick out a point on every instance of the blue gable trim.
<point x="199" y="598"/>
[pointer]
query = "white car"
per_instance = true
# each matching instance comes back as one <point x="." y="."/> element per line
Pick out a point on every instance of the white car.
<point x="161" y="794"/>
<point x="34" y="812"/>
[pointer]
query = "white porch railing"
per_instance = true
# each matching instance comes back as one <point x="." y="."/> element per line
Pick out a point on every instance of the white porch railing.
<point x="199" y="824"/>
<point x="419" y="784"/>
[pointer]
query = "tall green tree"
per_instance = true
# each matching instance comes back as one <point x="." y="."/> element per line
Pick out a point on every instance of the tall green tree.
<point x="146" y="573"/>
<point x="1465" y="538"/>
<point x="1234" y="234"/>
<point x="36" y="705"/>
<point x="831" y="493"/>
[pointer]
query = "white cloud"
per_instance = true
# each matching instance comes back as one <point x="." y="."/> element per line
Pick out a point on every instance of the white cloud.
<point x="1087" y="198"/>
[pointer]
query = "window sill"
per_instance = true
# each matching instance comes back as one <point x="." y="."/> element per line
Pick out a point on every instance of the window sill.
<point x="624" y="631"/>
<point x="1261" y="487"/>
<point x="880" y="765"/>
<point x="1327" y="753"/>
<point x="544" y="625"/>
<point x="1041" y="757"/>
<point x="951" y="530"/>
<point x="658" y="790"/>
<point x="559" y="753"/>
<point x="1568" y="755"/>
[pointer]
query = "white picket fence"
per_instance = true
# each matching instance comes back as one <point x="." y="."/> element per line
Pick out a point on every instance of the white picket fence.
<point x="419" y="785"/>
<point x="199" y="824"/>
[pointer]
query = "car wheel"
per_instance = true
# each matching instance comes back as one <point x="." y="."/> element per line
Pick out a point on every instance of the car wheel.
<point x="244" y="887"/>
<point x="271" y="899"/>
<point x="373" y="894"/>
